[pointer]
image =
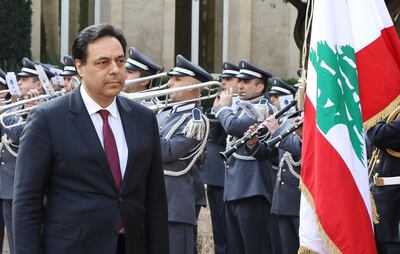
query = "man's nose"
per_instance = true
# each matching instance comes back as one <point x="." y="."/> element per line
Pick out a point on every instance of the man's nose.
<point x="114" y="67"/>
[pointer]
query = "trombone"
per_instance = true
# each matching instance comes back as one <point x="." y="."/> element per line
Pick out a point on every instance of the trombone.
<point x="212" y="86"/>
<point x="138" y="80"/>
<point x="4" y="108"/>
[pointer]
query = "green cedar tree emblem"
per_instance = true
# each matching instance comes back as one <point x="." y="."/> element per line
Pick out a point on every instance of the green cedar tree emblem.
<point x="338" y="100"/>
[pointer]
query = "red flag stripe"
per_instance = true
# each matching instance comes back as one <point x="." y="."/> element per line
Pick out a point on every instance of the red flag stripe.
<point x="338" y="203"/>
<point x="378" y="66"/>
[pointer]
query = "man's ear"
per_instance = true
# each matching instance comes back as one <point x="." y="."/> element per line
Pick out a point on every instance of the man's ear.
<point x="78" y="66"/>
<point x="260" y="88"/>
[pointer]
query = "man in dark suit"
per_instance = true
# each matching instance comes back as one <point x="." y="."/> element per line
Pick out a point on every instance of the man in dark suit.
<point x="88" y="176"/>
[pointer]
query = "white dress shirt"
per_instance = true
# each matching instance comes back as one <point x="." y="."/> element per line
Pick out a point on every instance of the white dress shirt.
<point x="114" y="120"/>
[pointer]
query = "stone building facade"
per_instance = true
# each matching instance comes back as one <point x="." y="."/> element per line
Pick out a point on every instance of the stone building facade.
<point x="257" y="30"/>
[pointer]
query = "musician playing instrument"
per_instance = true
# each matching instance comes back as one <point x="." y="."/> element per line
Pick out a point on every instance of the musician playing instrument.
<point x="385" y="136"/>
<point x="68" y="73"/>
<point x="183" y="132"/>
<point x="213" y="170"/>
<point x="248" y="182"/>
<point x="286" y="197"/>
<point x="29" y="85"/>
<point x="139" y="65"/>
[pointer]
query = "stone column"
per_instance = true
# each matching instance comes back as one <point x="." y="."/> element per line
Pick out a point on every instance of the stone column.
<point x="35" y="33"/>
<point x="168" y="34"/>
<point x="240" y="30"/>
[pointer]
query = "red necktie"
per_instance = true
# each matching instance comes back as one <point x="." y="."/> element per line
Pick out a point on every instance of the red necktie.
<point x="110" y="147"/>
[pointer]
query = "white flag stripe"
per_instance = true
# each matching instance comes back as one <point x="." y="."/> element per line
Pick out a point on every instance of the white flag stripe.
<point x="331" y="14"/>
<point x="339" y="138"/>
<point x="308" y="231"/>
<point x="368" y="18"/>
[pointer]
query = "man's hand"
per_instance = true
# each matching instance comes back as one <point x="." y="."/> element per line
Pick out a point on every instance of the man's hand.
<point x="30" y="94"/>
<point x="254" y="139"/>
<point x="272" y="124"/>
<point x="225" y="98"/>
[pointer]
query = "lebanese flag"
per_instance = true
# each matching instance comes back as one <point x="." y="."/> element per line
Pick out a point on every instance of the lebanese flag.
<point x="353" y="77"/>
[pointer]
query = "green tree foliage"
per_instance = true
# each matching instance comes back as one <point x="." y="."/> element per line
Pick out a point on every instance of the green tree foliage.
<point x="15" y="32"/>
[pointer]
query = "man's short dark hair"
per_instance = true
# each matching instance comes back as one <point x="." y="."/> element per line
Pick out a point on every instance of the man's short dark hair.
<point x="260" y="81"/>
<point x="92" y="33"/>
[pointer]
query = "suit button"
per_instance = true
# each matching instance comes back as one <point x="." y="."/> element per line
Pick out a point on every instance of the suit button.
<point x="2" y="151"/>
<point x="121" y="200"/>
<point x="282" y="183"/>
<point x="2" y="163"/>
<point x="284" y="170"/>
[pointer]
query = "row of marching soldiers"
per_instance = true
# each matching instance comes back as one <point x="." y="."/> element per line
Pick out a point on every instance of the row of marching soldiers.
<point x="253" y="195"/>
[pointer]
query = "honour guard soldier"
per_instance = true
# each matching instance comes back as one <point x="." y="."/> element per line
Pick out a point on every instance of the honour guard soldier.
<point x="28" y="80"/>
<point x="68" y="73"/>
<point x="183" y="130"/>
<point x="213" y="170"/>
<point x="286" y="197"/>
<point x="248" y="182"/>
<point x="138" y="65"/>
<point x="385" y="136"/>
<point x="280" y="88"/>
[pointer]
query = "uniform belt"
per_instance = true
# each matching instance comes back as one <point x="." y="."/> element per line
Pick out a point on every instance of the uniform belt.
<point x="384" y="181"/>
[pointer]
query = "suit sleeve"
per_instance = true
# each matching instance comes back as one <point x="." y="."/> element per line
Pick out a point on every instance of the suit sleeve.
<point x="232" y="124"/>
<point x="156" y="202"/>
<point x="385" y="135"/>
<point x="31" y="176"/>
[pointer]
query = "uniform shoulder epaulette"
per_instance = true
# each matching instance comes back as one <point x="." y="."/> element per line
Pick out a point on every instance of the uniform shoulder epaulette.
<point x="196" y="126"/>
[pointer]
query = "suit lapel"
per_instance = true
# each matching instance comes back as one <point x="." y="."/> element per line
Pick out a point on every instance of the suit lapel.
<point x="84" y="125"/>
<point x="130" y="130"/>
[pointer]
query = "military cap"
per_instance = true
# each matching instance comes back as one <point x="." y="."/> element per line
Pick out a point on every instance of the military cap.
<point x="69" y="66"/>
<point x="46" y="68"/>
<point x="2" y="77"/>
<point x="229" y="70"/>
<point x="28" y="68"/>
<point x="249" y="71"/>
<point x="186" y="68"/>
<point x="280" y="87"/>
<point x="138" y="61"/>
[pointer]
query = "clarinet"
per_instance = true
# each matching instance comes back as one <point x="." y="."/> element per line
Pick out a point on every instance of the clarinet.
<point x="260" y="130"/>
<point x="270" y="143"/>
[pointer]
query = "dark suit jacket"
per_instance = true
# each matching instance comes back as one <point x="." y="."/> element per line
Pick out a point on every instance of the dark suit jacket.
<point x="61" y="161"/>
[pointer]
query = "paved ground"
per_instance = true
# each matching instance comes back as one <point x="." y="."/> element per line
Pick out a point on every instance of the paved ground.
<point x="204" y="241"/>
<point x="5" y="244"/>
